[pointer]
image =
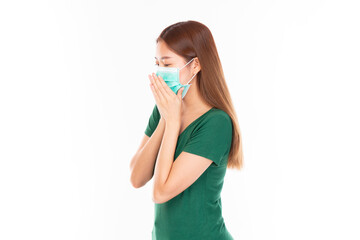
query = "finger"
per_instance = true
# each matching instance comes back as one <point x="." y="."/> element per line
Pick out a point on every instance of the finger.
<point x="180" y="92"/>
<point x="152" y="87"/>
<point x="165" y="86"/>
<point x="156" y="89"/>
<point x="160" y="86"/>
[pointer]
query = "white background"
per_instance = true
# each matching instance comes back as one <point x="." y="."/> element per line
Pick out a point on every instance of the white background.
<point x="75" y="101"/>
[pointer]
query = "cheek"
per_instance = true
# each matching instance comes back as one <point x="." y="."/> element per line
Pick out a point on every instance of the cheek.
<point x="184" y="77"/>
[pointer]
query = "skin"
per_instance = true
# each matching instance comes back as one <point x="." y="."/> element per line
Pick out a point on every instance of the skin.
<point x="173" y="177"/>
<point x="192" y="102"/>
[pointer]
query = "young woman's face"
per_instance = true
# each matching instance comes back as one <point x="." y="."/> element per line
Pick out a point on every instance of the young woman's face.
<point x="164" y="57"/>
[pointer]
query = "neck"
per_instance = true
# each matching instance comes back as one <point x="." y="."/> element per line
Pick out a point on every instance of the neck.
<point x="193" y="102"/>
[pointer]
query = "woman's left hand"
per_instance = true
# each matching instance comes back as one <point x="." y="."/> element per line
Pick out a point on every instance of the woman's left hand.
<point x="168" y="103"/>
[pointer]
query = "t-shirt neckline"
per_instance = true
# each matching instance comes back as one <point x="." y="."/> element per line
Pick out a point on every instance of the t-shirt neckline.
<point x="196" y="120"/>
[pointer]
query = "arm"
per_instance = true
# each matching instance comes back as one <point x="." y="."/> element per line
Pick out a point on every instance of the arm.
<point x="165" y="158"/>
<point x="172" y="178"/>
<point x="206" y="146"/>
<point x="142" y="164"/>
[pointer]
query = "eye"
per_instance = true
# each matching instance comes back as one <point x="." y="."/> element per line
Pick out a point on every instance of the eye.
<point x="164" y="64"/>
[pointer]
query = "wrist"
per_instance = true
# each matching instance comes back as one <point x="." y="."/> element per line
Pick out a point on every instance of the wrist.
<point x="173" y="123"/>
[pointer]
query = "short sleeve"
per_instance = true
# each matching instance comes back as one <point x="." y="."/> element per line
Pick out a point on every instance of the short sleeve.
<point x="153" y="121"/>
<point x="212" y="139"/>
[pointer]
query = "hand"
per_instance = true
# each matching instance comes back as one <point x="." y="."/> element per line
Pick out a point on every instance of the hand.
<point x="168" y="103"/>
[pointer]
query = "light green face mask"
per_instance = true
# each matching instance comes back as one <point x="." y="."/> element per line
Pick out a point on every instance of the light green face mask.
<point x="172" y="78"/>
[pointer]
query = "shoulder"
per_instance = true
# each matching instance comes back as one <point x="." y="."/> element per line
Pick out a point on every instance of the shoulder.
<point x="218" y="116"/>
<point x="216" y="120"/>
<point x="156" y="112"/>
<point x="155" y="109"/>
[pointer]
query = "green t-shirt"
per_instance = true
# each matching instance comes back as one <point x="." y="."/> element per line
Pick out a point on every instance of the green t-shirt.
<point x="196" y="213"/>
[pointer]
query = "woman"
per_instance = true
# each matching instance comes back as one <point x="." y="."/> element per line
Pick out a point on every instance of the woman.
<point x="191" y="138"/>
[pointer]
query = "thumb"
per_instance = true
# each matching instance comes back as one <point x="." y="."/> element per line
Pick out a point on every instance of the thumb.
<point x="180" y="91"/>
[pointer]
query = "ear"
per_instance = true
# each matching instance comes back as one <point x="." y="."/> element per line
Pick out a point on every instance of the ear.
<point x="197" y="66"/>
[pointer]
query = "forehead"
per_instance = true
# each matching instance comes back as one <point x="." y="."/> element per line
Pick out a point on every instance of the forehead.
<point x="163" y="52"/>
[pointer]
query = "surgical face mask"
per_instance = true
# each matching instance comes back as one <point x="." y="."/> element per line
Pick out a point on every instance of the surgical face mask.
<point x="171" y="77"/>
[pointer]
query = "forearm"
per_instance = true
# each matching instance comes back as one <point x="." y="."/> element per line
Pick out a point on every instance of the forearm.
<point x="144" y="161"/>
<point x="166" y="155"/>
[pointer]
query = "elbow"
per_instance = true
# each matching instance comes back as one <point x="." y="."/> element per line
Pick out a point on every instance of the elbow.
<point x="134" y="183"/>
<point x="158" y="197"/>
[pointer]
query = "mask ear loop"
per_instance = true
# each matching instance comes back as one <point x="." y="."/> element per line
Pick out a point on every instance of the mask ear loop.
<point x="191" y="79"/>
<point x="186" y="64"/>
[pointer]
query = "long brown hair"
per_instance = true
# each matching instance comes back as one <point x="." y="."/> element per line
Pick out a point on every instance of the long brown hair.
<point x="193" y="39"/>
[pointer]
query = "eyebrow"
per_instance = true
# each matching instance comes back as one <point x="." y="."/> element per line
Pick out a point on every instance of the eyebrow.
<point x="165" y="57"/>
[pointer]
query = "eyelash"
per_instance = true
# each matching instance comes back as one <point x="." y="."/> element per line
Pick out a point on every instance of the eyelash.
<point x="164" y="65"/>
